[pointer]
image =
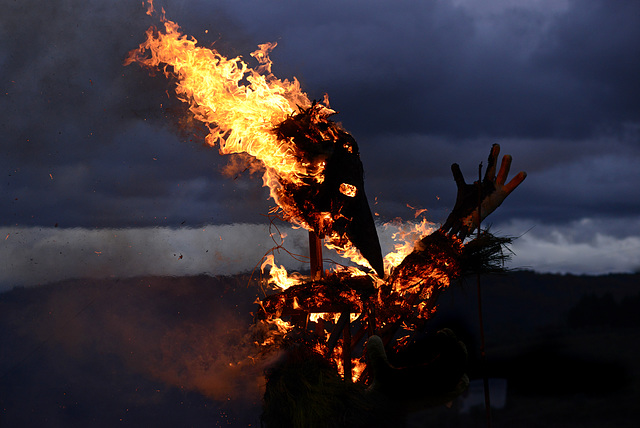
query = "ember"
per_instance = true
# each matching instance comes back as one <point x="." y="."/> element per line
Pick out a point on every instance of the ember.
<point x="313" y="169"/>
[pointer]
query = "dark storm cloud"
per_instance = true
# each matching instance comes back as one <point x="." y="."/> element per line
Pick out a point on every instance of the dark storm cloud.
<point x="88" y="142"/>
<point x="437" y="68"/>
<point x="567" y="178"/>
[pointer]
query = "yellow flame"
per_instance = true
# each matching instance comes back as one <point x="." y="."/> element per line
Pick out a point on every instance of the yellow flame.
<point x="406" y="237"/>
<point x="348" y="251"/>
<point x="331" y="316"/>
<point x="240" y="105"/>
<point x="278" y="329"/>
<point x="357" y="367"/>
<point x="278" y="275"/>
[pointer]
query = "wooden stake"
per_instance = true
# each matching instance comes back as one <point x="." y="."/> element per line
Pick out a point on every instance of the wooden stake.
<point x="315" y="256"/>
<point x="337" y="330"/>
<point x="343" y="325"/>
<point x="346" y="351"/>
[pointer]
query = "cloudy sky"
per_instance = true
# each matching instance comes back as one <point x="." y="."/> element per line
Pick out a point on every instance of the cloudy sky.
<point x="97" y="160"/>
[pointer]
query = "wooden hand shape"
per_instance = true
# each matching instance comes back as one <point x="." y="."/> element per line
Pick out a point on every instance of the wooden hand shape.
<point x="486" y="195"/>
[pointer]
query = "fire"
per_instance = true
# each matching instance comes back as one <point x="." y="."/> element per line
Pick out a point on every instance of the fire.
<point x="313" y="170"/>
<point x="357" y="367"/>
<point x="239" y="105"/>
<point x="408" y="234"/>
<point x="272" y="332"/>
<point x="249" y="110"/>
<point x="278" y="275"/>
<point x="348" y="189"/>
<point x="330" y="316"/>
<point x="349" y="252"/>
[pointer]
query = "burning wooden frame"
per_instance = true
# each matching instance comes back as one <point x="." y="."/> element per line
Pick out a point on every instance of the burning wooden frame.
<point x="354" y="308"/>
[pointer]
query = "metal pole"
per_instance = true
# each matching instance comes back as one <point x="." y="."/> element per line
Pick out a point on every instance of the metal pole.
<point x="483" y="357"/>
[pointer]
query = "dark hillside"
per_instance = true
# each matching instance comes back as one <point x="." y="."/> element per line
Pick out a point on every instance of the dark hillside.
<point x="568" y="347"/>
<point x="169" y="352"/>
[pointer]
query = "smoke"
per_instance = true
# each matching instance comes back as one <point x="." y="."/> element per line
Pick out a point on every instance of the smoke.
<point x="142" y="298"/>
<point x="193" y="333"/>
<point x="42" y="255"/>
<point x="38" y="255"/>
<point x="219" y="358"/>
<point x="35" y="255"/>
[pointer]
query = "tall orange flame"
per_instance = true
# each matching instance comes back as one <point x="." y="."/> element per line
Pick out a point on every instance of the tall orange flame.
<point x="240" y="105"/>
<point x="249" y="110"/>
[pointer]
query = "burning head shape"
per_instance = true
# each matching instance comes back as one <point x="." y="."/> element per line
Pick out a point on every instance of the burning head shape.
<point x="334" y="206"/>
<point x="312" y="166"/>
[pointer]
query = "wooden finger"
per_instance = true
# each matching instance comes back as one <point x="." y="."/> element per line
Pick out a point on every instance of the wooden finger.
<point x="493" y="159"/>
<point x="515" y="182"/>
<point x="504" y="170"/>
<point x="457" y="175"/>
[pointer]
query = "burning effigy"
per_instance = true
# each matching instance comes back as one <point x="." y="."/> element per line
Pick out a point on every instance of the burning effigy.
<point x="352" y="341"/>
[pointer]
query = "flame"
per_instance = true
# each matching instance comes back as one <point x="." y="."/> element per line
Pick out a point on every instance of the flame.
<point x="240" y="105"/>
<point x="406" y="238"/>
<point x="348" y="189"/>
<point x="331" y="316"/>
<point x="274" y="330"/>
<point x="150" y="9"/>
<point x="242" y="108"/>
<point x="357" y="366"/>
<point x="326" y="316"/>
<point x="278" y="275"/>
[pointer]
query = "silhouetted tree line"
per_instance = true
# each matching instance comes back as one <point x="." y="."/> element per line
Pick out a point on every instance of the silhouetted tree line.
<point x="593" y="310"/>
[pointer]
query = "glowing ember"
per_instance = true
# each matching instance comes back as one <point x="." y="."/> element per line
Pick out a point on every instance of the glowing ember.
<point x="348" y="190"/>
